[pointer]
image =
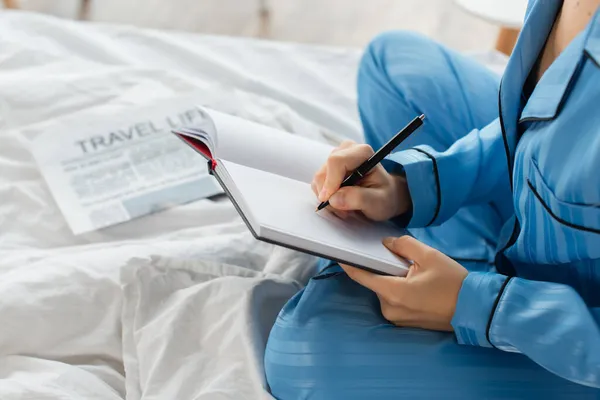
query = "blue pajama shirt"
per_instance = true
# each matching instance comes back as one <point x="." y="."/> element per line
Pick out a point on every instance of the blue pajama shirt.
<point x="506" y="184"/>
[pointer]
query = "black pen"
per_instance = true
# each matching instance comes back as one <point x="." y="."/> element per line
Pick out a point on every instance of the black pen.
<point x="379" y="155"/>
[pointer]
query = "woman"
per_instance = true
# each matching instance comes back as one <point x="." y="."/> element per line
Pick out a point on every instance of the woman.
<point x="503" y="202"/>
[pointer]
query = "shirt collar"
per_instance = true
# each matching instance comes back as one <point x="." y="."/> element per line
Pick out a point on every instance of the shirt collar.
<point x="549" y="93"/>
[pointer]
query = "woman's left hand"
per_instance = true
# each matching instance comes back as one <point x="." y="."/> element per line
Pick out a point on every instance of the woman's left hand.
<point x="426" y="298"/>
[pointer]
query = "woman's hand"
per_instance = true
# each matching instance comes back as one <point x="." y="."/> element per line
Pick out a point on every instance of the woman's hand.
<point x="379" y="195"/>
<point x="426" y="298"/>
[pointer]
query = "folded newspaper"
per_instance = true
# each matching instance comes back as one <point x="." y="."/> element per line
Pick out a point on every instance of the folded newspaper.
<point x="104" y="170"/>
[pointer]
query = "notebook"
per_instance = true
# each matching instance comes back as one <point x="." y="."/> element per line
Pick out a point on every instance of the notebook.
<point x="267" y="173"/>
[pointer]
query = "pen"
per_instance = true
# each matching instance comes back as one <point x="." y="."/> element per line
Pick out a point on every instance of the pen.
<point x="379" y="155"/>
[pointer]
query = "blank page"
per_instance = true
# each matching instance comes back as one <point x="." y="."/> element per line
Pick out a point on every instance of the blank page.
<point x="261" y="147"/>
<point x="285" y="210"/>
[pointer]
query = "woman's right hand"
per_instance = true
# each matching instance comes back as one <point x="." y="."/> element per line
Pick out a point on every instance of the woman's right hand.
<point x="379" y="195"/>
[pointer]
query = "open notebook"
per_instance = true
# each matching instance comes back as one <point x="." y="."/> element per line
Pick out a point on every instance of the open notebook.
<point x="267" y="173"/>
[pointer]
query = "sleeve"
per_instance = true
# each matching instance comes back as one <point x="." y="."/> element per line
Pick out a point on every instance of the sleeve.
<point x="468" y="172"/>
<point x="548" y="322"/>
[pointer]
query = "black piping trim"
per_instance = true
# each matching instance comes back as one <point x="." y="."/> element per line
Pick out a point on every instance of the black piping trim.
<point x="437" y="184"/>
<point x="556" y="217"/>
<point x="536" y="119"/>
<point x="494" y="307"/>
<point x="504" y="138"/>
<point x="513" y="236"/>
<point x="587" y="53"/>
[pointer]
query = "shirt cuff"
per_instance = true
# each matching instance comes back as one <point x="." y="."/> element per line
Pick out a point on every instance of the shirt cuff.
<point x="421" y="177"/>
<point x="477" y="301"/>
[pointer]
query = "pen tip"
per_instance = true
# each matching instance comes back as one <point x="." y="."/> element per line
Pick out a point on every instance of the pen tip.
<point x="422" y="117"/>
<point x="322" y="206"/>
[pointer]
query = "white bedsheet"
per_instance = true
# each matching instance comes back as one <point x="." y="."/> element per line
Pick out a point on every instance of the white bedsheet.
<point x="176" y="305"/>
<point x="74" y="315"/>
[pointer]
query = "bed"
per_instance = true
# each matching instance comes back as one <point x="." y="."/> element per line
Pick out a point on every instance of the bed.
<point x="177" y="304"/>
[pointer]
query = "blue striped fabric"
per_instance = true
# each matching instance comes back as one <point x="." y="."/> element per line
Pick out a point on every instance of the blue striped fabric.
<point x="548" y="311"/>
<point x="518" y="205"/>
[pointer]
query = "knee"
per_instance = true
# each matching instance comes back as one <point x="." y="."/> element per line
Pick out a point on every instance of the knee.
<point x="395" y="64"/>
<point x="315" y="333"/>
<point x="392" y="47"/>
<point x="394" y="80"/>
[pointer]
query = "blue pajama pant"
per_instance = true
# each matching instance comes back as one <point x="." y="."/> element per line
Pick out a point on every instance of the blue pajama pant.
<point x="330" y="341"/>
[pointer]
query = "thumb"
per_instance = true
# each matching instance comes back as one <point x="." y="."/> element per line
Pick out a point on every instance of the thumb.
<point x="407" y="247"/>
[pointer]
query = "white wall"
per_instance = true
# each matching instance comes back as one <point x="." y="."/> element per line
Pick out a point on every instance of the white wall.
<point x="336" y="22"/>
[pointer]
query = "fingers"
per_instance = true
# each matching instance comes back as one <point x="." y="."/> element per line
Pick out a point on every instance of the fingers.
<point x="315" y="185"/>
<point x="343" y="159"/>
<point x="396" y="314"/>
<point x="339" y="164"/>
<point x="408" y="247"/>
<point x="388" y="287"/>
<point x="391" y="291"/>
<point x="348" y="215"/>
<point x="344" y="145"/>
<point x="319" y="178"/>
<point x="340" y="213"/>
<point x="353" y="198"/>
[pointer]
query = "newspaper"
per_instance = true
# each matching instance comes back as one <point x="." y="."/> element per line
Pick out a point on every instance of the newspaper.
<point x="107" y="169"/>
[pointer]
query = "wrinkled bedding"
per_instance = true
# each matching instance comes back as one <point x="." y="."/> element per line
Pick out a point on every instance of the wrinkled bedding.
<point x="174" y="305"/>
